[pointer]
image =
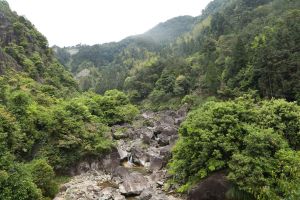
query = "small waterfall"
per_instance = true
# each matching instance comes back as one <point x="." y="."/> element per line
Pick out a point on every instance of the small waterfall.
<point x="130" y="159"/>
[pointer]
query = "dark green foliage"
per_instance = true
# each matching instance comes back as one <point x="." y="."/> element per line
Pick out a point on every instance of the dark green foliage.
<point x="29" y="50"/>
<point x="43" y="176"/>
<point x="61" y="130"/>
<point x="256" y="142"/>
<point x="15" y="181"/>
<point x="233" y="47"/>
<point x="236" y="46"/>
<point x="46" y="126"/>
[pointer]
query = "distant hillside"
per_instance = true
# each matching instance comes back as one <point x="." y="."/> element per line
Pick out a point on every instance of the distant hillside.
<point x="110" y="63"/>
<point x="233" y="47"/>
<point x="171" y="29"/>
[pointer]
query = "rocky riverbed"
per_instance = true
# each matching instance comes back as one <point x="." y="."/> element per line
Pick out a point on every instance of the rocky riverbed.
<point x="135" y="169"/>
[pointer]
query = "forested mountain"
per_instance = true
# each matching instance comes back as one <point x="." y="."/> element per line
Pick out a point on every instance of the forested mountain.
<point x="233" y="47"/>
<point x="106" y="66"/>
<point x="237" y="66"/>
<point x="46" y="125"/>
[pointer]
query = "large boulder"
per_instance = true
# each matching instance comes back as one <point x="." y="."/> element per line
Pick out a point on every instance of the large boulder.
<point x="169" y="131"/>
<point x="146" y="194"/>
<point x="156" y="163"/>
<point x="212" y="188"/>
<point x="122" y="153"/>
<point x="147" y="134"/>
<point x="165" y="153"/>
<point x="134" y="184"/>
<point x="121" y="172"/>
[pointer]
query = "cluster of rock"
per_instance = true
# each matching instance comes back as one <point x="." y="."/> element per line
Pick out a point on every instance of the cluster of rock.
<point x="136" y="168"/>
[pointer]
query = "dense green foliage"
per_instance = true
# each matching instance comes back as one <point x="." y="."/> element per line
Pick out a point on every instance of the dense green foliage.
<point x="24" y="49"/>
<point x="46" y="125"/>
<point x="256" y="142"/>
<point x="233" y="47"/>
<point x="110" y="64"/>
<point x="59" y="131"/>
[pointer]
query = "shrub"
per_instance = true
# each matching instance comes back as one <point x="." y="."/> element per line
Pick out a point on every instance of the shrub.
<point x="256" y="142"/>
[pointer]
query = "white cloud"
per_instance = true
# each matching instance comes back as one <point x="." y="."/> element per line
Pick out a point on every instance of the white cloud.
<point x="70" y="22"/>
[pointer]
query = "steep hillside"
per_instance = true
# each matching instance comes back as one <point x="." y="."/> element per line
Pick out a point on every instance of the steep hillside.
<point x="246" y="45"/>
<point x="46" y="125"/>
<point x="233" y="47"/>
<point x="24" y="50"/>
<point x="249" y="145"/>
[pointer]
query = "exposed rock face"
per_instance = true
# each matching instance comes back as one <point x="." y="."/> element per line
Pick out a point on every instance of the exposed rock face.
<point x="107" y="163"/>
<point x="134" y="184"/>
<point x="212" y="188"/>
<point x="135" y="168"/>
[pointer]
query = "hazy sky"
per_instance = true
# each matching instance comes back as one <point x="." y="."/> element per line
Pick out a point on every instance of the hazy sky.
<point x="70" y="22"/>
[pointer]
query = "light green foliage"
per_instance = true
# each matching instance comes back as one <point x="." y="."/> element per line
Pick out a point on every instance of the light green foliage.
<point x="63" y="131"/>
<point x="256" y="142"/>
<point x="15" y="181"/>
<point x="79" y="126"/>
<point x="45" y="124"/>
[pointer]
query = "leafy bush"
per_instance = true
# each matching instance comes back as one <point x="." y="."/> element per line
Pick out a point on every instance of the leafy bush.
<point x="15" y="181"/>
<point x="257" y="142"/>
<point x="43" y="176"/>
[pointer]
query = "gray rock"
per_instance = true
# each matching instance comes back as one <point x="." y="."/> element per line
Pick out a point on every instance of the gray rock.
<point x="83" y="167"/>
<point x="179" y="120"/>
<point x="122" y="153"/>
<point x="173" y="139"/>
<point x="111" y="161"/>
<point x="165" y="152"/>
<point x="157" y="176"/>
<point x="156" y="163"/>
<point x="107" y="193"/>
<point x="163" y="140"/>
<point x="182" y="112"/>
<point x="146" y="135"/>
<point x="167" y="119"/>
<point x="121" y="172"/>
<point x="169" y="131"/>
<point x="118" y="196"/>
<point x="139" y="154"/>
<point x="144" y="159"/>
<point x="213" y="187"/>
<point x="146" y="194"/>
<point x="134" y="184"/>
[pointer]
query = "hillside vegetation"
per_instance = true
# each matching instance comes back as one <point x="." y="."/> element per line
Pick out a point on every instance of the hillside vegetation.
<point x="233" y="47"/>
<point x="46" y="125"/>
<point x="236" y="66"/>
<point x="255" y="142"/>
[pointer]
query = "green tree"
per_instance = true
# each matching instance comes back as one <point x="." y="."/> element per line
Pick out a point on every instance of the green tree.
<point x="251" y="140"/>
<point x="43" y="176"/>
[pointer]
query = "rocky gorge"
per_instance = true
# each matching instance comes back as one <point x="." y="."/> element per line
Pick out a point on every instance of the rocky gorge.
<point x="135" y="168"/>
